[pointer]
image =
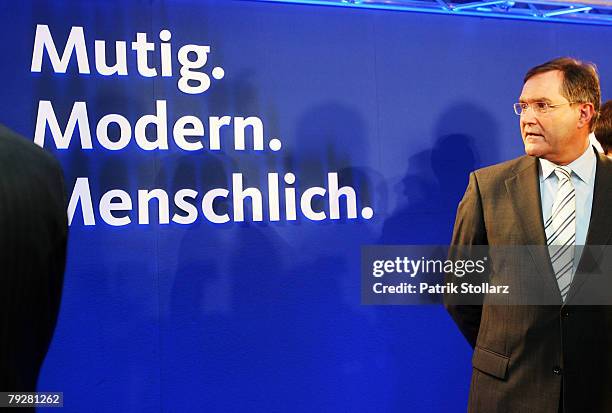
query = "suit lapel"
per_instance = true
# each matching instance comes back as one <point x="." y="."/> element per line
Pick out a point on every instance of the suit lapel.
<point x="524" y="191"/>
<point x="600" y="225"/>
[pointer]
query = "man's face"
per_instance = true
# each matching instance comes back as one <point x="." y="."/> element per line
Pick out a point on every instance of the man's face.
<point x="555" y="135"/>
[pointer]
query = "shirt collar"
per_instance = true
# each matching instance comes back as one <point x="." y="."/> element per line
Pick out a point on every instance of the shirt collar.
<point x="583" y="167"/>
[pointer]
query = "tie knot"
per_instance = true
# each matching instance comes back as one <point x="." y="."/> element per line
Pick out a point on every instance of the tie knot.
<point x="563" y="172"/>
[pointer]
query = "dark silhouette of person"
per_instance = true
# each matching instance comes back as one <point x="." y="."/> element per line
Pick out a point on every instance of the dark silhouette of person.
<point x="33" y="236"/>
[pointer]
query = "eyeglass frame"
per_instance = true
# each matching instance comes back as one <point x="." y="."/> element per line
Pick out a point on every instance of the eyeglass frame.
<point x="546" y="109"/>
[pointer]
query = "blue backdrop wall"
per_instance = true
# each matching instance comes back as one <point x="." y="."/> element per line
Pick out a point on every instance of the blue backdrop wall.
<point x="265" y="315"/>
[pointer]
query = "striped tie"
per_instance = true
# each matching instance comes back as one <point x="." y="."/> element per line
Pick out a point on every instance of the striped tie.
<point x="561" y="230"/>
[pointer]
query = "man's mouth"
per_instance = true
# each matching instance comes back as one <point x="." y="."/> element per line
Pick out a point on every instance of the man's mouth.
<point x="533" y="135"/>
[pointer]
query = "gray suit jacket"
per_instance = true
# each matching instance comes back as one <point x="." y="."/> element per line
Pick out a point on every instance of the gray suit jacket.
<point x="526" y="356"/>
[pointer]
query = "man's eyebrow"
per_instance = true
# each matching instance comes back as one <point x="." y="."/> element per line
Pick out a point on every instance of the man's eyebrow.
<point x="523" y="100"/>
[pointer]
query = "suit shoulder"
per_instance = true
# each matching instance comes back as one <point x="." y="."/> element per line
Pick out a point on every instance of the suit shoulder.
<point x="604" y="161"/>
<point x="504" y="170"/>
<point x="21" y="153"/>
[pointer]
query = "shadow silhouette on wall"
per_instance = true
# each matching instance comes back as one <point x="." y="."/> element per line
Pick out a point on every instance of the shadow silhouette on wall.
<point x="436" y="178"/>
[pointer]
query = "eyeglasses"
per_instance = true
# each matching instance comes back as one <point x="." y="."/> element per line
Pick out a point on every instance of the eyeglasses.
<point x="537" y="107"/>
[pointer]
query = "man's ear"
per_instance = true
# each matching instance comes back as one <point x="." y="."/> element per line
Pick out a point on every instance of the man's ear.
<point x="587" y="111"/>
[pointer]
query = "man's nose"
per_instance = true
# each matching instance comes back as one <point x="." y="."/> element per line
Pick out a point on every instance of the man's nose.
<point x="528" y="116"/>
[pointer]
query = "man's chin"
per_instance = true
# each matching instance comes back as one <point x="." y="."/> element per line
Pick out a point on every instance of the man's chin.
<point x="534" y="149"/>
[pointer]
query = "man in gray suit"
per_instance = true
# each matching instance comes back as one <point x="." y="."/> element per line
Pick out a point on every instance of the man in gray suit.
<point x="543" y="358"/>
